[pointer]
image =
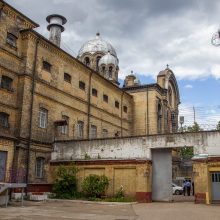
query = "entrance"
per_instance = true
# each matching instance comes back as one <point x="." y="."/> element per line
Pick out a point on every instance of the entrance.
<point x="162" y="175"/>
<point x="215" y="179"/>
<point x="3" y="159"/>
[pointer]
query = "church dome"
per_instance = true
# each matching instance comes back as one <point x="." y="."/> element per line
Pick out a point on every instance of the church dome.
<point x="108" y="59"/>
<point x="96" y="45"/>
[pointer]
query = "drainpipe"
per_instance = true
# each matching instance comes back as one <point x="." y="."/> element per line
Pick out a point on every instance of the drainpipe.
<point x="31" y="111"/>
<point x="122" y="95"/>
<point x="147" y="111"/>
<point x="89" y="103"/>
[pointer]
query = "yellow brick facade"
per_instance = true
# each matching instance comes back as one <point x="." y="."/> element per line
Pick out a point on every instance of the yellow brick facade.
<point x="33" y="88"/>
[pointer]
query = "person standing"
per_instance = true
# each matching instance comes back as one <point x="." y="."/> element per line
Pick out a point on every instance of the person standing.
<point x="188" y="187"/>
<point x="184" y="187"/>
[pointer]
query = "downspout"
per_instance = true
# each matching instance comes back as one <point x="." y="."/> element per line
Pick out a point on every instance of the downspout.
<point x="31" y="111"/>
<point x="147" y="112"/>
<point x="122" y="95"/>
<point x="89" y="104"/>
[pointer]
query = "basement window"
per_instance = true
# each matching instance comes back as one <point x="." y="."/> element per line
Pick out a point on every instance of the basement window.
<point x="47" y="66"/>
<point x="67" y="77"/>
<point x="82" y="85"/>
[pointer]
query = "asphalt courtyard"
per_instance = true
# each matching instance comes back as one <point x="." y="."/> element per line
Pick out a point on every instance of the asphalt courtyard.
<point x="71" y="210"/>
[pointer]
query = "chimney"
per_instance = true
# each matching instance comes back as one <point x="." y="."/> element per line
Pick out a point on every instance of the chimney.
<point x="55" y="27"/>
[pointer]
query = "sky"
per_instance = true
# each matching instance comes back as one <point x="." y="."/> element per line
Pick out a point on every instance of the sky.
<point x="147" y="35"/>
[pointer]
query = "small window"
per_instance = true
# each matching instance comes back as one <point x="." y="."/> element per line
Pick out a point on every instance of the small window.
<point x="87" y="61"/>
<point x="43" y="114"/>
<point x="82" y="85"/>
<point x="6" y="83"/>
<point x="65" y="128"/>
<point x="125" y="108"/>
<point x="105" y="98"/>
<point x="104" y="133"/>
<point x="67" y="77"/>
<point x="47" y="66"/>
<point x="39" y="171"/>
<point x="94" y="92"/>
<point x="116" y="104"/>
<point x="4" y="120"/>
<point x="11" y="39"/>
<point x="80" y="129"/>
<point x="110" y="72"/>
<point x="97" y="63"/>
<point x="93" y="133"/>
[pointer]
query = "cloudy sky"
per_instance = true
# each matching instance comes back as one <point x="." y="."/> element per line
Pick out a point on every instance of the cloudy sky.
<point x="147" y="35"/>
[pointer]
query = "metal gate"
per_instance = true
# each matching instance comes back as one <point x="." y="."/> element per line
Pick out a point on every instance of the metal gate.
<point x="215" y="178"/>
<point x="3" y="159"/>
<point x="161" y="175"/>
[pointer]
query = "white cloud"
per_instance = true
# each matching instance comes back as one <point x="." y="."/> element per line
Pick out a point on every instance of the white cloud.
<point x="188" y="86"/>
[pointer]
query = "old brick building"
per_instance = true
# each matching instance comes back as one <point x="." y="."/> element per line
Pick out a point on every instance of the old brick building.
<point x="46" y="94"/>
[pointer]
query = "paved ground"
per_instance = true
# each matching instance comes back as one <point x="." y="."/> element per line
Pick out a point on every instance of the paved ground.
<point x="66" y="210"/>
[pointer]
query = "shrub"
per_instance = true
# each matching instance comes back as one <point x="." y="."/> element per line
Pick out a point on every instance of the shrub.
<point x="65" y="186"/>
<point x="120" y="193"/>
<point x="95" y="186"/>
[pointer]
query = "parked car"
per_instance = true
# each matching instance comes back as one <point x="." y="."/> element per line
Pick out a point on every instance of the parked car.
<point x="177" y="190"/>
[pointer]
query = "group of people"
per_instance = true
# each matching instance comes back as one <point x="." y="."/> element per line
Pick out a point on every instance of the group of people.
<point x="187" y="185"/>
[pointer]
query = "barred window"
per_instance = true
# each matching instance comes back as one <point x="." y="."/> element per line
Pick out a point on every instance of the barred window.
<point x="105" y="98"/>
<point x="39" y="171"/>
<point x="65" y="128"/>
<point x="43" y="115"/>
<point x="104" y="133"/>
<point x="6" y="83"/>
<point x="11" y="39"/>
<point x="67" y="77"/>
<point x="80" y="129"/>
<point x="4" y="119"/>
<point x="93" y="133"/>
<point x="47" y="66"/>
<point x="82" y="85"/>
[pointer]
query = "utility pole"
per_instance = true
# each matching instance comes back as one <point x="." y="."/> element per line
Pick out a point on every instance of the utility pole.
<point x="194" y="114"/>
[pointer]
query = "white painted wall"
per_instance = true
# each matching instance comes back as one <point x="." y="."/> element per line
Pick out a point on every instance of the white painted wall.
<point x="137" y="147"/>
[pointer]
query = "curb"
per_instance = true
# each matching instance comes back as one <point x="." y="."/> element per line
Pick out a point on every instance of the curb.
<point x="91" y="202"/>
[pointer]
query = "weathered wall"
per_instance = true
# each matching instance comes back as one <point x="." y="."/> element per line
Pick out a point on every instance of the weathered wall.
<point x="132" y="175"/>
<point x="137" y="147"/>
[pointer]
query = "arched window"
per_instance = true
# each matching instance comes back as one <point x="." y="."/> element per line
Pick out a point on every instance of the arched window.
<point x="87" y="61"/>
<point x="39" y="170"/>
<point x="170" y="98"/>
<point x="4" y="119"/>
<point x="159" y="118"/>
<point x="43" y="115"/>
<point x="103" y="69"/>
<point x="110" y="72"/>
<point x="97" y="63"/>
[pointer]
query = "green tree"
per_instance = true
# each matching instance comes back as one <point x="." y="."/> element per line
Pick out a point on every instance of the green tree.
<point x="65" y="186"/>
<point x="194" y="128"/>
<point x="218" y="126"/>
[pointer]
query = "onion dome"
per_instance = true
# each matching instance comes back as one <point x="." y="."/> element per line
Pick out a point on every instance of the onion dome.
<point x="97" y="45"/>
<point x="108" y="59"/>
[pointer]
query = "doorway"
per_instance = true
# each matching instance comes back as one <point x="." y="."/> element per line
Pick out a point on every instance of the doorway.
<point x="3" y="160"/>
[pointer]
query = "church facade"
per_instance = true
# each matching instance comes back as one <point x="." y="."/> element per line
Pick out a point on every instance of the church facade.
<point x="47" y="95"/>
